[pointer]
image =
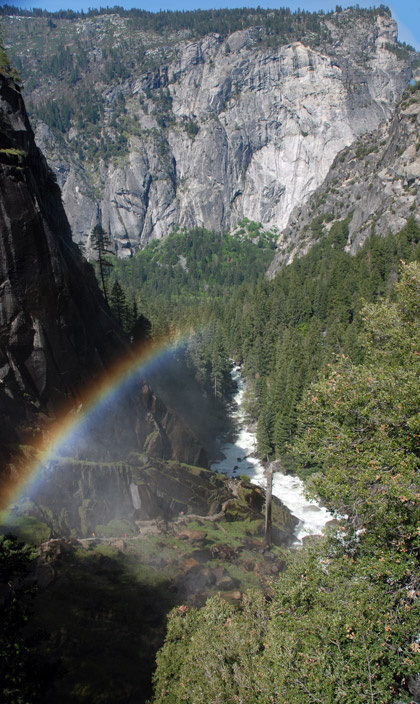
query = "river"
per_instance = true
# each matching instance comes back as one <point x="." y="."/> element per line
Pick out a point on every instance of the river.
<point x="240" y="458"/>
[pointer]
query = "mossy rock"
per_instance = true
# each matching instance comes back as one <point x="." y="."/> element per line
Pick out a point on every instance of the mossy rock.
<point x="255" y="528"/>
<point x="116" y="529"/>
<point x="180" y="487"/>
<point x="27" y="528"/>
<point x="252" y="496"/>
<point x="236" y="511"/>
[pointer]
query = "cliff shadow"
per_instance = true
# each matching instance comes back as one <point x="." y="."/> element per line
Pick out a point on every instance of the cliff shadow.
<point x="106" y="616"/>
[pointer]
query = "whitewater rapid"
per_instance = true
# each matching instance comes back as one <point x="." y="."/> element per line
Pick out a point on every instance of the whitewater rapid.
<point x="240" y="458"/>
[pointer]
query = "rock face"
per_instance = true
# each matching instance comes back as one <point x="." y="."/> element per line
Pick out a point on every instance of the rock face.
<point x="374" y="185"/>
<point x="77" y="496"/>
<point x="57" y="334"/>
<point x="73" y="497"/>
<point x="227" y="127"/>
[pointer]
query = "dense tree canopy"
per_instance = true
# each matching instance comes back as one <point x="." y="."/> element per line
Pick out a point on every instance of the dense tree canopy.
<point x="360" y="423"/>
<point x="282" y="331"/>
<point x="342" y="621"/>
<point x="282" y="23"/>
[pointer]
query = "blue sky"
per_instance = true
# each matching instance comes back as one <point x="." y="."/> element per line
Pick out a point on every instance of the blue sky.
<point x="405" y="12"/>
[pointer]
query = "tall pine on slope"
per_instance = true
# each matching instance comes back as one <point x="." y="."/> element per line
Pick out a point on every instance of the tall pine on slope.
<point x="101" y="244"/>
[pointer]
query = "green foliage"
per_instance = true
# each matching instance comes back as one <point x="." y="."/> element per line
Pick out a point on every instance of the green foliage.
<point x="5" y="66"/>
<point x="266" y="420"/>
<point x="4" y="60"/>
<point x="282" y="25"/>
<point x="118" y="305"/>
<point x="208" y="355"/>
<point x="83" y="109"/>
<point x="316" y="226"/>
<point x="56" y="115"/>
<point x="284" y="331"/>
<point x="115" y="69"/>
<point x="117" y="528"/>
<point x="226" y="655"/>
<point x="360" y="425"/>
<point x="192" y="128"/>
<point x="254" y="231"/>
<point x="12" y="152"/>
<point x="341" y="623"/>
<point x="401" y="50"/>
<point x="162" y="102"/>
<point x="339" y="232"/>
<point x="58" y="63"/>
<point x="26" y="527"/>
<point x="176" y="280"/>
<point x="332" y="631"/>
<point x="366" y="149"/>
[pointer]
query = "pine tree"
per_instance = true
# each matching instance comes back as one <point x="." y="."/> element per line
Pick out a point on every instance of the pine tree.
<point x="220" y="369"/>
<point x="265" y="427"/>
<point x="141" y="330"/>
<point x="118" y="305"/>
<point x="100" y="242"/>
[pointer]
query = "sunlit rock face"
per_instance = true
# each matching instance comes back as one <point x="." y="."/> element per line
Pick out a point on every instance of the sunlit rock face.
<point x="374" y="185"/>
<point x="268" y="122"/>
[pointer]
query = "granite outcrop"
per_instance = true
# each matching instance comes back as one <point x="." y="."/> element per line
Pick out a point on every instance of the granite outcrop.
<point x="373" y="185"/>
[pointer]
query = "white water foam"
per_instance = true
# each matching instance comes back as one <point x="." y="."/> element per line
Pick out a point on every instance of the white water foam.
<point x="240" y="458"/>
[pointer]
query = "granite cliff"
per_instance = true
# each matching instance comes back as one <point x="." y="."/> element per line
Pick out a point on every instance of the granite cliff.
<point x="202" y="130"/>
<point x="56" y="330"/>
<point x="373" y="187"/>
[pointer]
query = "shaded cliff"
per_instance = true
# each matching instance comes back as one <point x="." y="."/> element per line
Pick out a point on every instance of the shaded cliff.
<point x="56" y="331"/>
<point x="57" y="334"/>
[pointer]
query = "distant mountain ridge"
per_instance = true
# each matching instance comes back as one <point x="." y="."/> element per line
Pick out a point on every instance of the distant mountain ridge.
<point x="148" y="129"/>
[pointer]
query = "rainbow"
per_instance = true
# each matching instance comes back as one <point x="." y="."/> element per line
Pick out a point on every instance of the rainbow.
<point x="99" y="395"/>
